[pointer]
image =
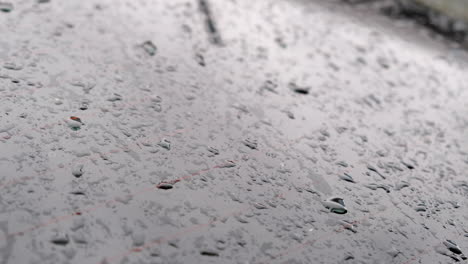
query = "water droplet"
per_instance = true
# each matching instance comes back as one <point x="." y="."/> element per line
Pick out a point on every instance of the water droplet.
<point x="156" y="103"/>
<point x="115" y="97"/>
<point x="165" y="144"/>
<point x="372" y="168"/>
<point x="6" y="7"/>
<point x="125" y="198"/>
<point x="77" y="119"/>
<point x="213" y="151"/>
<point x="241" y="219"/>
<point x="383" y="62"/>
<point x="347" y="177"/>
<point x="348" y="225"/>
<point x="260" y="206"/>
<point x="165" y="186"/>
<point x="78" y="192"/>
<point x="227" y="164"/>
<point x="336" y="205"/>
<point x="74" y="125"/>
<point x="209" y="253"/>
<point x="78" y="171"/>
<point x="299" y="89"/>
<point x="269" y="86"/>
<point x="149" y="48"/>
<point x="408" y="165"/>
<point x="289" y="114"/>
<point x="200" y="59"/>
<point x="374" y="186"/>
<point x="452" y="246"/>
<point x="60" y="239"/>
<point x="401" y="185"/>
<point x="138" y="239"/>
<point x="250" y="143"/>
<point x="12" y="66"/>
<point x="79" y="238"/>
<point x="86" y="85"/>
<point x="78" y="223"/>
<point x="58" y="101"/>
<point x="342" y="164"/>
<point x="420" y="208"/>
<point x="84" y="106"/>
<point x="455" y="204"/>
<point x="69" y="253"/>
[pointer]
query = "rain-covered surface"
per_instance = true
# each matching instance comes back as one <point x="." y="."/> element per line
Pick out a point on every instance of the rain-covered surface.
<point x="228" y="132"/>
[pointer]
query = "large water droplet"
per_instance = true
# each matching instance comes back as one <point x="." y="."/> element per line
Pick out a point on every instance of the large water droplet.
<point x="6" y="7"/>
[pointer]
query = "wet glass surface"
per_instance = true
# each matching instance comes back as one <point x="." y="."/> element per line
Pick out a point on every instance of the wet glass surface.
<point x="228" y="132"/>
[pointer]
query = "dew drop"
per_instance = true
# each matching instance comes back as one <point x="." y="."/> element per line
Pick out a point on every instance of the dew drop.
<point x="6" y="7"/>
<point x="60" y="239"/>
<point x="165" y="186"/>
<point x="165" y="144"/>
<point x="149" y="47"/>
<point x="299" y="89"/>
<point x="209" y="253"/>
<point x="336" y="205"/>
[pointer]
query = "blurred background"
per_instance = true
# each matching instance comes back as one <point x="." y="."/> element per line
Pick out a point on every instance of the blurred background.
<point x="449" y="18"/>
<point x="233" y="131"/>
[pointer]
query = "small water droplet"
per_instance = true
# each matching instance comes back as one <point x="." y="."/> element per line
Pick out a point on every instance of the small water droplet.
<point x="60" y="239"/>
<point x="299" y="89"/>
<point x="227" y="164"/>
<point x="401" y="185"/>
<point x="58" y="101"/>
<point x="165" y="144"/>
<point x="408" y="165"/>
<point x="420" y="208"/>
<point x="200" y="59"/>
<point x="149" y="47"/>
<point x="289" y="114"/>
<point x="269" y="86"/>
<point x="209" y="253"/>
<point x="348" y="225"/>
<point x="77" y="192"/>
<point x="84" y="106"/>
<point x="372" y="168"/>
<point x="74" y="125"/>
<point x="115" y="97"/>
<point x="374" y="186"/>
<point x="165" y="186"/>
<point x="77" y="119"/>
<point x="138" y="239"/>
<point x="78" y="171"/>
<point x="10" y="65"/>
<point x="347" y="177"/>
<point x="250" y="143"/>
<point x="213" y="151"/>
<point x="260" y="206"/>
